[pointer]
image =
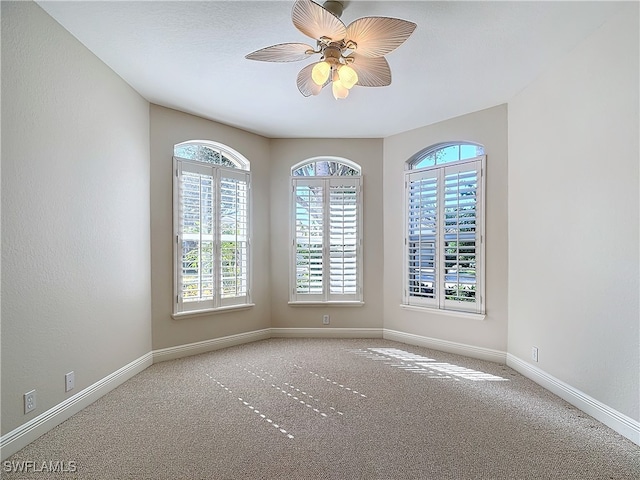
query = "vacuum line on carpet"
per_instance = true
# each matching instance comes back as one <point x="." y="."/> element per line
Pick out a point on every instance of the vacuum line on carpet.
<point x="252" y="408"/>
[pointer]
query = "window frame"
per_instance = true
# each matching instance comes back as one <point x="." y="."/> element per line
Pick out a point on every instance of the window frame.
<point x="218" y="172"/>
<point x="477" y="309"/>
<point x="326" y="183"/>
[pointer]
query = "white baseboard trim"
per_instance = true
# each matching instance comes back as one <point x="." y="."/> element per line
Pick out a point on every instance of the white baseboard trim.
<point x="26" y="433"/>
<point x="326" y="332"/>
<point x="625" y="426"/>
<point x="446" y="346"/>
<point x="179" y="351"/>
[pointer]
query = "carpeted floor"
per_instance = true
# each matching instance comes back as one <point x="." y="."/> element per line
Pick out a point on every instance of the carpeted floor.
<point x="330" y="409"/>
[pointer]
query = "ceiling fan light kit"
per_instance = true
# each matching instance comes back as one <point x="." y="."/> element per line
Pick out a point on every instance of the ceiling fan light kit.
<point x="349" y="55"/>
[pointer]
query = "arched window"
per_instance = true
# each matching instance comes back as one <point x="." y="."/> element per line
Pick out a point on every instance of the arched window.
<point x="325" y="167"/>
<point x="326" y="217"/>
<point x="444" y="225"/>
<point x="445" y="153"/>
<point x="210" y="152"/>
<point x="211" y="226"/>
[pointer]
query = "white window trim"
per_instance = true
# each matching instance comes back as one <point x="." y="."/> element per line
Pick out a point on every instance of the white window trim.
<point x="218" y="304"/>
<point x="436" y="306"/>
<point x="443" y="312"/>
<point x="326" y="298"/>
<point x="212" y="311"/>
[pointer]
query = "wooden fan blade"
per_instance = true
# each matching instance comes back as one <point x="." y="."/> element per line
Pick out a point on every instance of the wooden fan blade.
<point x="377" y="36"/>
<point x="372" y="71"/>
<point x="316" y="22"/>
<point x="283" y="52"/>
<point x="306" y="85"/>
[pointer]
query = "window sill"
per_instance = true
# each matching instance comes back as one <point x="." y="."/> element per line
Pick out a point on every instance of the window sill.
<point x="446" y="313"/>
<point x="329" y="304"/>
<point x="212" y="311"/>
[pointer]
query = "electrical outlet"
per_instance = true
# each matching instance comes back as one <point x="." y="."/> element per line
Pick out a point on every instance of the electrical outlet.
<point x="29" y="401"/>
<point x="534" y="353"/>
<point x="69" y="381"/>
<point x="325" y="319"/>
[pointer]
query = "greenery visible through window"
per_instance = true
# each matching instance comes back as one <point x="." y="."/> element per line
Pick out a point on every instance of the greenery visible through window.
<point x="444" y="243"/>
<point x="211" y="218"/>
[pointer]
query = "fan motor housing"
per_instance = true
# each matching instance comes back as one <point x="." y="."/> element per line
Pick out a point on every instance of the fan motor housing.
<point x="332" y="51"/>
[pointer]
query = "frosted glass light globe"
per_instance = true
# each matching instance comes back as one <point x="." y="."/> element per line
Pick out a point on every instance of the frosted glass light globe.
<point x="339" y="90"/>
<point x="320" y="73"/>
<point x="348" y="76"/>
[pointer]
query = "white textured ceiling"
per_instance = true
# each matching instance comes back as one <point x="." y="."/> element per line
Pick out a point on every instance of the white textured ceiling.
<point x="463" y="57"/>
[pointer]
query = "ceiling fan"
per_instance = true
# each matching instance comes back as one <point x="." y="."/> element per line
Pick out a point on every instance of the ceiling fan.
<point x="349" y="55"/>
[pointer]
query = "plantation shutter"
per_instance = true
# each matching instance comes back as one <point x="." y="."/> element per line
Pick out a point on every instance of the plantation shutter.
<point x="343" y="238"/>
<point x="326" y="242"/>
<point x="460" y="236"/>
<point x="212" y="236"/>
<point x="443" y="237"/>
<point x="234" y="236"/>
<point x="195" y="236"/>
<point x="421" y="238"/>
<point x="309" y="238"/>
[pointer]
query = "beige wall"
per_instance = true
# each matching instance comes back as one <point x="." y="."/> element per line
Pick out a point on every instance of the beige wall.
<point x="486" y="127"/>
<point x="573" y="218"/>
<point x="75" y="215"/>
<point x="368" y="154"/>
<point x="169" y="127"/>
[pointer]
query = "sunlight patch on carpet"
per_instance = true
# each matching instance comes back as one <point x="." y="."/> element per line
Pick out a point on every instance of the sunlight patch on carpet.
<point x="430" y="367"/>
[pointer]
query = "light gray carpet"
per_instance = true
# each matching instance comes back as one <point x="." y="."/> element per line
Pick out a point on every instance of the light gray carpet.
<point x="332" y="409"/>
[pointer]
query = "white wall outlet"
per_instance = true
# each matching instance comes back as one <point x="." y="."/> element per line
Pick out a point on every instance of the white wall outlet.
<point x="534" y="353"/>
<point x="325" y="319"/>
<point x="29" y="401"/>
<point x="69" y="381"/>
